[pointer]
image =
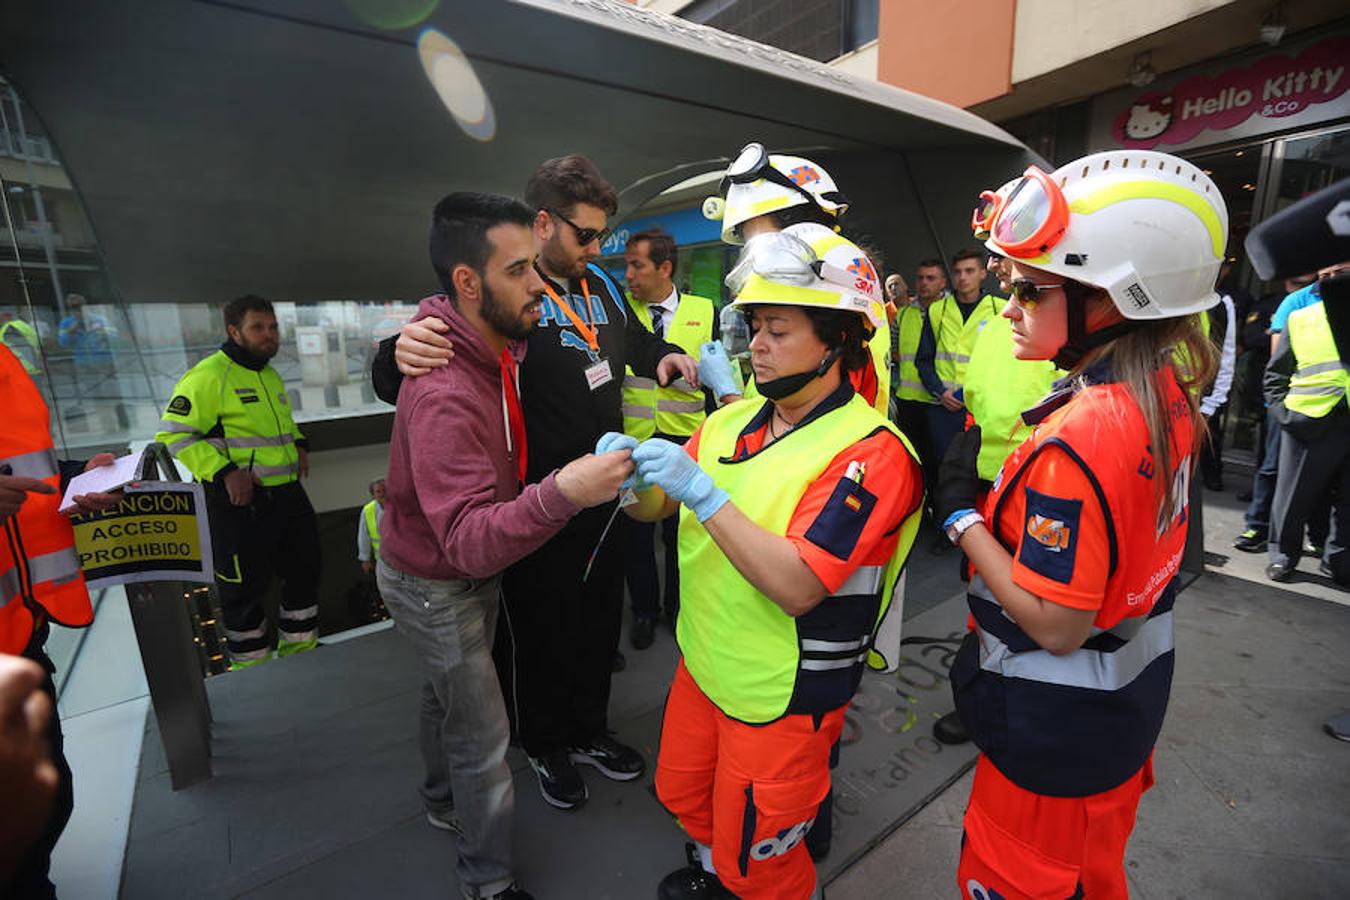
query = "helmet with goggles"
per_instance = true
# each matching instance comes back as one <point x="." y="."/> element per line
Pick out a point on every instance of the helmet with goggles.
<point x="758" y="183"/>
<point x="781" y="269"/>
<point x="1148" y="228"/>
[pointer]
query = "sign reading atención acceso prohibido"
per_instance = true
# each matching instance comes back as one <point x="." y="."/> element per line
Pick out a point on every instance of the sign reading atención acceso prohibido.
<point x="158" y="532"/>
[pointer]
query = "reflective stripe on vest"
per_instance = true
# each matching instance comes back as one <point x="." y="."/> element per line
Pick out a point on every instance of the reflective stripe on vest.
<point x="748" y="656"/>
<point x="371" y="513"/>
<point x="998" y="387"/>
<point x="1086" y="721"/>
<point x="222" y="412"/>
<point x="677" y="409"/>
<point x="908" y="384"/>
<point x="1320" y="380"/>
<point x="48" y="564"/>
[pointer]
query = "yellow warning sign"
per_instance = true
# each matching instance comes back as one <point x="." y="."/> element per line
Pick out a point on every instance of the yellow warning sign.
<point x="158" y="532"/>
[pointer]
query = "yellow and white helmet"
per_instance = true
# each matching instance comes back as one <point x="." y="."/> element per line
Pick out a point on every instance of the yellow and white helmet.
<point x="782" y="270"/>
<point x="757" y="183"/>
<point x="1148" y="228"/>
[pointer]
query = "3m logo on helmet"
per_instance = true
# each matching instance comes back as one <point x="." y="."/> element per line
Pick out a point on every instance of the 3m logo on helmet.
<point x="862" y="269"/>
<point x="804" y="175"/>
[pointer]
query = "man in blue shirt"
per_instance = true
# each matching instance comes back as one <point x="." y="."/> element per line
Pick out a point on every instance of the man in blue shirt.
<point x="1255" y="537"/>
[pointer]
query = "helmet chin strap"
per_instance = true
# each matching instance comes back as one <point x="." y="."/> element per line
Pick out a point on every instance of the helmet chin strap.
<point x="781" y="388"/>
<point x="1080" y="341"/>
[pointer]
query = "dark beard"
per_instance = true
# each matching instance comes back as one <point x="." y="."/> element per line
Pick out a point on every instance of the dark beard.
<point x="500" y="319"/>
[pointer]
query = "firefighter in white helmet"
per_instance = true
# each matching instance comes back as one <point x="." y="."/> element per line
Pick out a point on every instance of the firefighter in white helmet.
<point x="763" y="193"/>
<point x="1075" y="551"/>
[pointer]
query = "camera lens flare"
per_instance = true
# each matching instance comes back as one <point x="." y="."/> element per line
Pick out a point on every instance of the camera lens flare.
<point x="452" y="75"/>
<point x="392" y="15"/>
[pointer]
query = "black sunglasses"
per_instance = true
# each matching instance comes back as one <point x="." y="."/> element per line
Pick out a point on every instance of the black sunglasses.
<point x="584" y="235"/>
<point x="1027" y="293"/>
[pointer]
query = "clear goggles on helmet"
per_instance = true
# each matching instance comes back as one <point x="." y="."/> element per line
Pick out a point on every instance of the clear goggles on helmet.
<point x="752" y="164"/>
<point x="1030" y="221"/>
<point x="778" y="257"/>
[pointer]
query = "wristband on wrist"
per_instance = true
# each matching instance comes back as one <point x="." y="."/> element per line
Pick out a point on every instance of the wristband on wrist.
<point x="958" y="526"/>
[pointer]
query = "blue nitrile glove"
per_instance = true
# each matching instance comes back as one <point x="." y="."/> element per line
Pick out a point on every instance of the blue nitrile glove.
<point x="614" y="440"/>
<point x="667" y="466"/>
<point x="714" y="369"/>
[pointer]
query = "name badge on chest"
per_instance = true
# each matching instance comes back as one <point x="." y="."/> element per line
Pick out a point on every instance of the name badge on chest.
<point x="599" y="374"/>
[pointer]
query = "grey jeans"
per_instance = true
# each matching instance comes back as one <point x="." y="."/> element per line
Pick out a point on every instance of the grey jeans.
<point x="464" y="730"/>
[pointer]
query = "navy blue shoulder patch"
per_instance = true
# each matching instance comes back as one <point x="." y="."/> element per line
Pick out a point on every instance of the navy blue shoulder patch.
<point x="1050" y="535"/>
<point x="841" y="520"/>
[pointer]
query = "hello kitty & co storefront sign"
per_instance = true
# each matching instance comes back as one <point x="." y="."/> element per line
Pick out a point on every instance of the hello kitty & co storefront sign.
<point x="1274" y="92"/>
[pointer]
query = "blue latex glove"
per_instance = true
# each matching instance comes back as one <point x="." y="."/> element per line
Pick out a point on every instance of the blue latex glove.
<point x="714" y="369"/>
<point x="614" y="440"/>
<point x="666" y="465"/>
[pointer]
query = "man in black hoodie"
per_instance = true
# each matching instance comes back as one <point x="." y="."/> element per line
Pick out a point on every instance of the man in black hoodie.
<point x="563" y="604"/>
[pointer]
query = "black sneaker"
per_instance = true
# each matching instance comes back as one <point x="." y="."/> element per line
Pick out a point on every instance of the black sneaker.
<point x="692" y="882"/>
<point x="616" y="761"/>
<point x="559" y="780"/>
<point x="643" y="632"/>
<point x="949" y="729"/>
<point x="1250" y="541"/>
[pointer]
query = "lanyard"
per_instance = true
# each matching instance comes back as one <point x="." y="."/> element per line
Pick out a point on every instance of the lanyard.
<point x="586" y="329"/>
<point x="514" y="415"/>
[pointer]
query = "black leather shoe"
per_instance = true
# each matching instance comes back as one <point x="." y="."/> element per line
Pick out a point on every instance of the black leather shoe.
<point x="1279" y="572"/>
<point x="643" y="632"/>
<point x="1250" y="541"/>
<point x="692" y="882"/>
<point x="950" y="729"/>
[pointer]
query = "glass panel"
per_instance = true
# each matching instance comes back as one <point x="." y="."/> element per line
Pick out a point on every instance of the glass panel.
<point x="106" y="365"/>
<point x="1310" y="164"/>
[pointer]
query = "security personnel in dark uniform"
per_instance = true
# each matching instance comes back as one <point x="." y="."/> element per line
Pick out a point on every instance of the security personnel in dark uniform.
<point x="230" y="423"/>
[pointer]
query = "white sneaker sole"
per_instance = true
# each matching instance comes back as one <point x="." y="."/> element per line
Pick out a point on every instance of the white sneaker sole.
<point x="449" y="825"/>
<point x="611" y="774"/>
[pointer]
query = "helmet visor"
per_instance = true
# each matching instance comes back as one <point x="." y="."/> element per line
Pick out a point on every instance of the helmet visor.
<point x="748" y="164"/>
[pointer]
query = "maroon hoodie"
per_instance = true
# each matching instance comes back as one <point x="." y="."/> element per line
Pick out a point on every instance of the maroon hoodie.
<point x="454" y="508"/>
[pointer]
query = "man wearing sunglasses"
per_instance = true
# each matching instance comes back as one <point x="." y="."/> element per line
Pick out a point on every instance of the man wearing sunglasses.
<point x="557" y="652"/>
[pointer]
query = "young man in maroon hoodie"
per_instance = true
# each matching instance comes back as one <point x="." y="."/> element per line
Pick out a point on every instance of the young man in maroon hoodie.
<point x="458" y="512"/>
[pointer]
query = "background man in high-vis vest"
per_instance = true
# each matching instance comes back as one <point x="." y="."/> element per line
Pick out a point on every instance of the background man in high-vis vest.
<point x="912" y="398"/>
<point x="22" y="340"/>
<point x="1306" y="384"/>
<point x="673" y="412"/>
<point x="230" y="424"/>
<point x="949" y="331"/>
<point x="40" y="582"/>
<point x="368" y="527"/>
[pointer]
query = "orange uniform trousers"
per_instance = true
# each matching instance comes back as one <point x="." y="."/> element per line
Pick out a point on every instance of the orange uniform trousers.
<point x="748" y="791"/>
<point x="1023" y="845"/>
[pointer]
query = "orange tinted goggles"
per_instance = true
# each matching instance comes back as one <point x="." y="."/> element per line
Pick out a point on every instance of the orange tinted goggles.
<point x="1032" y="219"/>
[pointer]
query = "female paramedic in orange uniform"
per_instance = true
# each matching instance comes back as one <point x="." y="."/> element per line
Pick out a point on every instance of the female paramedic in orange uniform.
<point x="1064" y="680"/>
<point x="798" y="513"/>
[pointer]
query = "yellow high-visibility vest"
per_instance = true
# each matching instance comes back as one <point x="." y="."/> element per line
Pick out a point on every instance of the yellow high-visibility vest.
<point x="676" y="409"/>
<point x="1321" y="379"/>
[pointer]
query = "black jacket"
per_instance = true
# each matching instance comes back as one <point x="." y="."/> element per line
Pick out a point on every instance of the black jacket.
<point x="563" y="416"/>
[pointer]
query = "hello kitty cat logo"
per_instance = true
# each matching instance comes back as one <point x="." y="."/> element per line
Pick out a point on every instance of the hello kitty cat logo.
<point x="1148" y="118"/>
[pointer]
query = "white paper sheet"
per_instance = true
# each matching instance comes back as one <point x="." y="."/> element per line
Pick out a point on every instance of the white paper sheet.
<point x="101" y="478"/>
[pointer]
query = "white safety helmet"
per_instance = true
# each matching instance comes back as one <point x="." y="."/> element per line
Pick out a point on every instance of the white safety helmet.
<point x="757" y="183"/>
<point x="781" y="269"/>
<point x="1148" y="228"/>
